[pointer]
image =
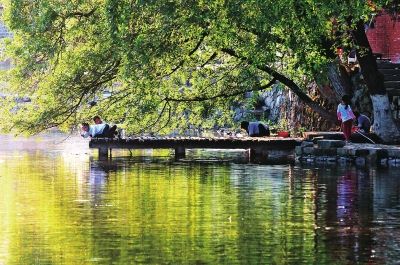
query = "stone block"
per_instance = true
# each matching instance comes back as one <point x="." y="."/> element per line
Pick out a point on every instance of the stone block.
<point x="308" y="150"/>
<point x="394" y="152"/>
<point x="317" y="139"/>
<point x="325" y="151"/>
<point x="307" y="144"/>
<point x="343" y="151"/>
<point x="298" y="150"/>
<point x="330" y="144"/>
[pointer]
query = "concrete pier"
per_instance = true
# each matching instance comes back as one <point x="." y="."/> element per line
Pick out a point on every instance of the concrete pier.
<point x="260" y="148"/>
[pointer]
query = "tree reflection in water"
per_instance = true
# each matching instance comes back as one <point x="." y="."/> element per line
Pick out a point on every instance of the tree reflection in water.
<point x="74" y="209"/>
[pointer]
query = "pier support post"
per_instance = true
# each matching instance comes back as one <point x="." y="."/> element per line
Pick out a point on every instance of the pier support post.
<point x="258" y="155"/>
<point x="179" y="152"/>
<point x="103" y="152"/>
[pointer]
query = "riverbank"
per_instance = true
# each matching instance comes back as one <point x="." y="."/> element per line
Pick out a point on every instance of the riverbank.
<point x="338" y="152"/>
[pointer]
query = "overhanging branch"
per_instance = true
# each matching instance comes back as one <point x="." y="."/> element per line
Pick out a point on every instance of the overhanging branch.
<point x="287" y="82"/>
<point x="221" y="95"/>
<point x="199" y="42"/>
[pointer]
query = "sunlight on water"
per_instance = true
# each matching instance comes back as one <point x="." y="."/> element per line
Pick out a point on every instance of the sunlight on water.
<point x="59" y="204"/>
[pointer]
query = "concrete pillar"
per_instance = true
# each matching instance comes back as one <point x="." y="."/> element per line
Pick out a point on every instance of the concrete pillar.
<point x="103" y="152"/>
<point x="258" y="155"/>
<point x="179" y="152"/>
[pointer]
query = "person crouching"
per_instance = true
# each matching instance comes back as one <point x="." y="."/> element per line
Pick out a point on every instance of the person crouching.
<point x="255" y="129"/>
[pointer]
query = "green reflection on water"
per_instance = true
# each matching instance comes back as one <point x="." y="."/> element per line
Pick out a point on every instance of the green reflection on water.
<point x="72" y="210"/>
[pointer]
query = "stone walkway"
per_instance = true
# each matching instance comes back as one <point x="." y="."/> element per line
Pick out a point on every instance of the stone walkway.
<point x="337" y="151"/>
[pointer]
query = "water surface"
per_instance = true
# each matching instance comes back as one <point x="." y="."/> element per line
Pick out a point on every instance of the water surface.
<point x="60" y="204"/>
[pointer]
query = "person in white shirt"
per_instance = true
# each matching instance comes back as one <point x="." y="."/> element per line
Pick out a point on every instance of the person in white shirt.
<point x="98" y="130"/>
<point x="346" y="116"/>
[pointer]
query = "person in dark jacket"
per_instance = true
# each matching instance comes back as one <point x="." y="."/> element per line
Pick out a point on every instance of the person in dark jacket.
<point x="255" y="129"/>
<point x="363" y="122"/>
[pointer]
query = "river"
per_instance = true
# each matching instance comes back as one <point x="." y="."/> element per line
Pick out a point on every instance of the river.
<point x="60" y="204"/>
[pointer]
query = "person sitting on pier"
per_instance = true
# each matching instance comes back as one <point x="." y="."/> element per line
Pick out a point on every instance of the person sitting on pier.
<point x="363" y="122"/>
<point x="98" y="130"/>
<point x="255" y="129"/>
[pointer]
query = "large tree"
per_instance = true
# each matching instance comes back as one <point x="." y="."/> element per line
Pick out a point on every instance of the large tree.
<point x="167" y="63"/>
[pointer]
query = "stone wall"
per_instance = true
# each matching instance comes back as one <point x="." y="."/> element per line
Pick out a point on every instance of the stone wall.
<point x="282" y="107"/>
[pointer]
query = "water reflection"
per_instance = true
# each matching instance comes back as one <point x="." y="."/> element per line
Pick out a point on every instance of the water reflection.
<point x="345" y="219"/>
<point x="64" y="206"/>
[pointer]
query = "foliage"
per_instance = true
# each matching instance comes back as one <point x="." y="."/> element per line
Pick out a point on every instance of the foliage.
<point x="167" y="64"/>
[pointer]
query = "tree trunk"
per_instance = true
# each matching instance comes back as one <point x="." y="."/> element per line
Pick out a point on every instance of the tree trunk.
<point x="384" y="125"/>
<point x="339" y="80"/>
<point x="383" y="120"/>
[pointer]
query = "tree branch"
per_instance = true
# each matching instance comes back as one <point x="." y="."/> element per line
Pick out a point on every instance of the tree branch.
<point x="287" y="82"/>
<point x="79" y="14"/>
<point x="209" y="59"/>
<point x="221" y="95"/>
<point x="180" y="64"/>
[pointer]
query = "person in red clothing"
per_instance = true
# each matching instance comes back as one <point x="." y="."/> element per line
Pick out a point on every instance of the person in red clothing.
<point x="346" y="116"/>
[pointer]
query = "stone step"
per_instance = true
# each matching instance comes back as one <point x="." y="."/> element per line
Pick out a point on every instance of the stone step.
<point x="392" y="84"/>
<point x="393" y="91"/>
<point x="388" y="66"/>
<point x="392" y="77"/>
<point x="324" y="135"/>
<point x="329" y="144"/>
<point x="360" y="154"/>
<point x="389" y="71"/>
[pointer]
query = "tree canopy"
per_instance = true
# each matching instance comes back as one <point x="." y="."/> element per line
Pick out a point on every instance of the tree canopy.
<point x="159" y="65"/>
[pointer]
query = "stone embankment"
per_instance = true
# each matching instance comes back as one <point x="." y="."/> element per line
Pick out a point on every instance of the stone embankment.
<point x="337" y="151"/>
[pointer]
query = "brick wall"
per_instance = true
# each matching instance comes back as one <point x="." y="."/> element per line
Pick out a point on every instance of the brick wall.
<point x="384" y="37"/>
